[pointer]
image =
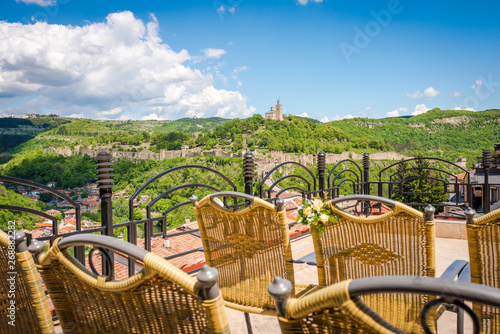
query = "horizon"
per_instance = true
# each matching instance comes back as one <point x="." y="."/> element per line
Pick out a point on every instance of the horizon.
<point x="326" y="60"/>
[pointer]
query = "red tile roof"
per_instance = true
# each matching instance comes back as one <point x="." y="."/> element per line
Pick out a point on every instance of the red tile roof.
<point x="90" y="202"/>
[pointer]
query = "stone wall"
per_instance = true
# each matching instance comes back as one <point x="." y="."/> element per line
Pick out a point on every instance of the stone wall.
<point x="267" y="161"/>
<point x="272" y="158"/>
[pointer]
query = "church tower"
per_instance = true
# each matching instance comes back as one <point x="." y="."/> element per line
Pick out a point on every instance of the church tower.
<point x="279" y="110"/>
<point x="275" y="114"/>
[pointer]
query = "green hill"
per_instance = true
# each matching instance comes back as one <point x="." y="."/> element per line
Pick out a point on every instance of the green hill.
<point x="447" y="134"/>
<point x="192" y="124"/>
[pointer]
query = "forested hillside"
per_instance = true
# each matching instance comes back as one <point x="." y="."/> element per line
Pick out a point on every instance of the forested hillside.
<point x="445" y="134"/>
<point x="448" y="134"/>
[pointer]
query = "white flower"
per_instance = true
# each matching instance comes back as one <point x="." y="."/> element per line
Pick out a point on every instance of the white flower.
<point x="323" y="218"/>
<point x="307" y="212"/>
<point x="317" y="205"/>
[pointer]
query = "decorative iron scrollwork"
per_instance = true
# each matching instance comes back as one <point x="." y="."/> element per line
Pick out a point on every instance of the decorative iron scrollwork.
<point x="363" y="208"/>
<point x="457" y="303"/>
<point x="106" y="256"/>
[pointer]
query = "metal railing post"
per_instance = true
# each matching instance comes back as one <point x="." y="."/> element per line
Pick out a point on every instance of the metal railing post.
<point x="366" y="173"/>
<point x="105" y="186"/>
<point x="486" y="185"/>
<point x="321" y="173"/>
<point x="248" y="172"/>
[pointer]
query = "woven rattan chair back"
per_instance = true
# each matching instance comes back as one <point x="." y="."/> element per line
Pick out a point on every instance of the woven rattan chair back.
<point x="159" y="299"/>
<point x="23" y="304"/>
<point x="483" y="235"/>
<point x="398" y="242"/>
<point x="340" y="308"/>
<point x="249" y="247"/>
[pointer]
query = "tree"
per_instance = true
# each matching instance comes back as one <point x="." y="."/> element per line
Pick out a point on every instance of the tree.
<point x="46" y="197"/>
<point x="138" y="215"/>
<point x="417" y="182"/>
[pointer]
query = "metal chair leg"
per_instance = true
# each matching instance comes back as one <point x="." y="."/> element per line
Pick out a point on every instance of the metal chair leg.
<point x="249" y="324"/>
<point x="460" y="321"/>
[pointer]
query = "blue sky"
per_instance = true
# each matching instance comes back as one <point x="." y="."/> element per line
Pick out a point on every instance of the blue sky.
<point x="231" y="58"/>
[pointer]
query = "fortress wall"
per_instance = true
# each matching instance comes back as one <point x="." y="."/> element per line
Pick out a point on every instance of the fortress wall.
<point x="265" y="161"/>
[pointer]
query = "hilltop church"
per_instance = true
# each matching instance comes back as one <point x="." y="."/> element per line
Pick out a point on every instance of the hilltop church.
<point x="275" y="114"/>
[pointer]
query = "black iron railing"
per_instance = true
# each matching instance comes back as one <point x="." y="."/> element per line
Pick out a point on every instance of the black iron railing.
<point x="345" y="177"/>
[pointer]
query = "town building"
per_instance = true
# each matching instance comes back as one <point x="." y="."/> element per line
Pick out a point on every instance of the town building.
<point x="91" y="206"/>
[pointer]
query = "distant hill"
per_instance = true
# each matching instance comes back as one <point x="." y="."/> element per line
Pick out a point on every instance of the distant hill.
<point x="191" y="125"/>
<point x="447" y="134"/>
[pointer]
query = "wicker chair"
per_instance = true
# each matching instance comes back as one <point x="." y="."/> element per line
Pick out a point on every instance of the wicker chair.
<point x="20" y="283"/>
<point x="249" y="247"/>
<point x="483" y="235"/>
<point x="398" y="242"/>
<point x="341" y="308"/>
<point x="159" y="299"/>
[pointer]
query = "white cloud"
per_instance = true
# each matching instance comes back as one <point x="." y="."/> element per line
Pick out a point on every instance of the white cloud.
<point x="101" y="67"/>
<point x="214" y="53"/>
<point x="221" y="9"/>
<point x="431" y="92"/>
<point x="348" y="117"/>
<point x="368" y="108"/>
<point x="459" y="108"/>
<point x="415" y="95"/>
<point x="455" y="94"/>
<point x="420" y="109"/>
<point x="237" y="70"/>
<point x="304" y="2"/>
<point x="151" y="117"/>
<point x="232" y="10"/>
<point x="428" y="92"/>
<point x="478" y="84"/>
<point x="239" y="83"/>
<point x="325" y="119"/>
<point x="304" y="115"/>
<point x="75" y="116"/>
<point x="240" y="68"/>
<point x="43" y="3"/>
<point x="113" y="111"/>
<point x="394" y="113"/>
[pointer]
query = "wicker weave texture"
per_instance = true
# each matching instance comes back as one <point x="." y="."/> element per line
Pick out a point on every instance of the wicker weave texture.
<point x="31" y="309"/>
<point x="159" y="299"/>
<point x="399" y="242"/>
<point x="484" y="254"/>
<point x="249" y="248"/>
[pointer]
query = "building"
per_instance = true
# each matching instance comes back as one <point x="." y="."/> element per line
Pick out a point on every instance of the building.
<point x="91" y="206"/>
<point x="477" y="179"/>
<point x="275" y="114"/>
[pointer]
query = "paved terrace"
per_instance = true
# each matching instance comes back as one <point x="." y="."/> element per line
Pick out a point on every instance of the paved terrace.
<point x="451" y="244"/>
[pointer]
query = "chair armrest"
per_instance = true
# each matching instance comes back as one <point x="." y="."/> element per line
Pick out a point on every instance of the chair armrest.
<point x="454" y="270"/>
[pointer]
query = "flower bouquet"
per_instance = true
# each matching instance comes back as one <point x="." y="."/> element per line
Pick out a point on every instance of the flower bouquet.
<point x="315" y="214"/>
